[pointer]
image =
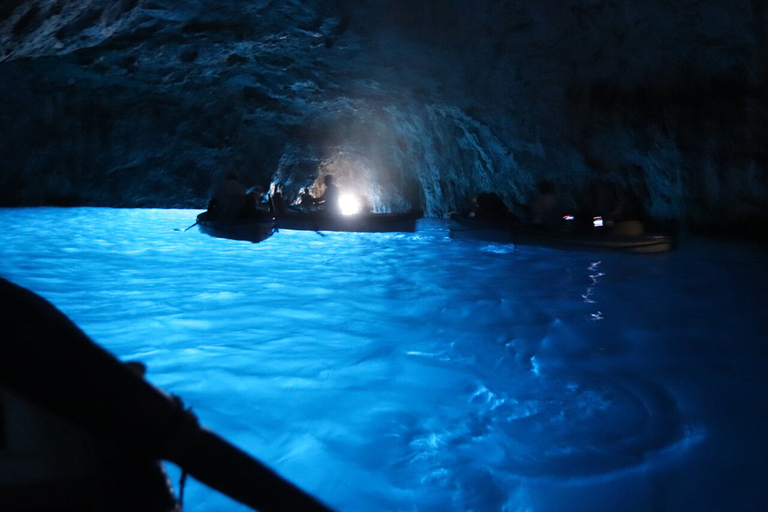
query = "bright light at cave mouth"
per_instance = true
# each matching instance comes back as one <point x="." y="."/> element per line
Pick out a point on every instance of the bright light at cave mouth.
<point x="350" y="204"/>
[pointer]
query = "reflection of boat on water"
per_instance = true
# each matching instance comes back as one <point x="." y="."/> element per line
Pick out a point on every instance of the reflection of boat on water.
<point x="463" y="227"/>
<point x="359" y="222"/>
<point x="253" y="229"/>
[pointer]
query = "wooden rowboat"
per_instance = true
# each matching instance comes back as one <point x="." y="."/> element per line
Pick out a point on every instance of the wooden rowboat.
<point x="252" y="229"/>
<point x="359" y="222"/>
<point x="601" y="240"/>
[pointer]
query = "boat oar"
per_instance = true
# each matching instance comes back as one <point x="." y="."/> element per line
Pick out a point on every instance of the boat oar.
<point x="185" y="230"/>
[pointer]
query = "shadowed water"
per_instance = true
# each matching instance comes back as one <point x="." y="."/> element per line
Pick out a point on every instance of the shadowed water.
<point x="412" y="372"/>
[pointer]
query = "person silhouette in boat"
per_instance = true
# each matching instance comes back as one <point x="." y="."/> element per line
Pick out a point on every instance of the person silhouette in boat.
<point x="544" y="208"/>
<point x="489" y="206"/>
<point x="257" y="200"/>
<point x="617" y="207"/>
<point x="306" y="200"/>
<point x="229" y="200"/>
<point x="276" y="200"/>
<point x="329" y="201"/>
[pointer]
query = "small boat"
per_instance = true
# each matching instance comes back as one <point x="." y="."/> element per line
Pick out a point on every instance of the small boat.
<point x="360" y="222"/>
<point x="252" y="229"/>
<point x="597" y="239"/>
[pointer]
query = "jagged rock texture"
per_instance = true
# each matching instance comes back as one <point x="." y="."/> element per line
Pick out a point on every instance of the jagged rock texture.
<point x="148" y="103"/>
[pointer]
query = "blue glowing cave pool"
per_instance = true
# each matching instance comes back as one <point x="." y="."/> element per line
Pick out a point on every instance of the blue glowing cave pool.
<point x="412" y="372"/>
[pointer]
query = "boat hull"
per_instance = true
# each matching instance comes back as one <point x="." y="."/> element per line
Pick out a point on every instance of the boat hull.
<point x="597" y="240"/>
<point x="253" y="230"/>
<point x="363" y="223"/>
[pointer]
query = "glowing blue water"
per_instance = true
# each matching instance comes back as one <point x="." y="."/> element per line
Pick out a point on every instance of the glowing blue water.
<point x="412" y="372"/>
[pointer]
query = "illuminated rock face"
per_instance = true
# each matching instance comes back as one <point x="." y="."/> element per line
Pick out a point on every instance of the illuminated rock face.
<point x="148" y="103"/>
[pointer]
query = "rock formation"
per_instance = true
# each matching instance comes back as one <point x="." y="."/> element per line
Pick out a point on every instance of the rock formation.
<point x="148" y="102"/>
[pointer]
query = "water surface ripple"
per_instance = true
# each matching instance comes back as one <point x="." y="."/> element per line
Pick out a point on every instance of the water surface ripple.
<point x="412" y="372"/>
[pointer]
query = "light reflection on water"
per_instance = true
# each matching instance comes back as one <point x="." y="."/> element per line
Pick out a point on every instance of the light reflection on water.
<point x="389" y="372"/>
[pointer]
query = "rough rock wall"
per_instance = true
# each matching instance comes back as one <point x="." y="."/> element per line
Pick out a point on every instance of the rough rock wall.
<point x="147" y="103"/>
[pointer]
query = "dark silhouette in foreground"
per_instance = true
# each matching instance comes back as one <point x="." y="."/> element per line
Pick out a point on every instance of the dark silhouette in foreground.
<point x="46" y="359"/>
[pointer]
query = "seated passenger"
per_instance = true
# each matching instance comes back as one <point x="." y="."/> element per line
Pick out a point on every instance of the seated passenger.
<point x="620" y="210"/>
<point x="306" y="201"/>
<point x="366" y="206"/>
<point x="629" y="215"/>
<point x="329" y="201"/>
<point x="258" y="198"/>
<point x="229" y="199"/>
<point x="544" y="208"/>
<point x="276" y="202"/>
<point x="489" y="206"/>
